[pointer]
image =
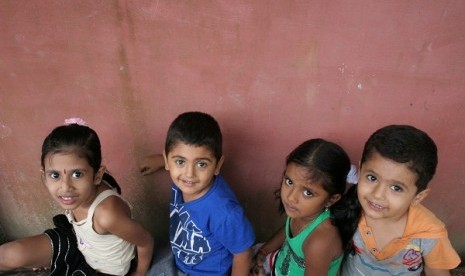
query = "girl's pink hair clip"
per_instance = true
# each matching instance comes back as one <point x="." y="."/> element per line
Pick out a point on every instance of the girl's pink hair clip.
<point x="78" y="121"/>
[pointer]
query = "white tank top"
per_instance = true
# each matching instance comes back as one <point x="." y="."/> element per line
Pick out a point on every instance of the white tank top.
<point x="105" y="253"/>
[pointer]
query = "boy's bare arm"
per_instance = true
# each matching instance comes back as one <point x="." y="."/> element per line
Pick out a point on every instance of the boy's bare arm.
<point x="241" y="263"/>
<point x="151" y="164"/>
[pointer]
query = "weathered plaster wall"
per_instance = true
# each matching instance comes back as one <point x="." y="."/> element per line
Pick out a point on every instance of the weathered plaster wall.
<point x="274" y="73"/>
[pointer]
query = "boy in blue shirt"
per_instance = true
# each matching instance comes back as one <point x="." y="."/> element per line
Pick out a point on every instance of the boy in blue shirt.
<point x="209" y="232"/>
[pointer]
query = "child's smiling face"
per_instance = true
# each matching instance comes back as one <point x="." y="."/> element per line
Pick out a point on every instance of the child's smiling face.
<point x="70" y="180"/>
<point x="192" y="168"/>
<point x="386" y="188"/>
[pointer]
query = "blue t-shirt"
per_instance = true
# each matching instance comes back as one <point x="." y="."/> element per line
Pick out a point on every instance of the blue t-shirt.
<point x="205" y="233"/>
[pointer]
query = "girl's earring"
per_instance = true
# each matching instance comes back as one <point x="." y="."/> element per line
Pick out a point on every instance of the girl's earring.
<point x="326" y="208"/>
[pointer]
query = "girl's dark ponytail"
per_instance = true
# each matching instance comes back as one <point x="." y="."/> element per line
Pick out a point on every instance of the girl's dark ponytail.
<point x="111" y="181"/>
<point x="346" y="214"/>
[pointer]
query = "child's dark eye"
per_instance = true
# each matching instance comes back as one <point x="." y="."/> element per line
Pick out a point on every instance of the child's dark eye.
<point x="77" y="174"/>
<point x="179" y="162"/>
<point x="202" y="164"/>
<point x="53" y="175"/>
<point x="396" y="188"/>
<point x="287" y="181"/>
<point x="371" y="178"/>
<point x="308" y="193"/>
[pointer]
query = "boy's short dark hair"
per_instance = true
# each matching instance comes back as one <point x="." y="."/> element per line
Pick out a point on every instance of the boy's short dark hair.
<point x="198" y="129"/>
<point x="405" y="144"/>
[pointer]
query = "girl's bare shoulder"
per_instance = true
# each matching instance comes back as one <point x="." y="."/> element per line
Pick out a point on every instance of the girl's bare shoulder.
<point x="326" y="235"/>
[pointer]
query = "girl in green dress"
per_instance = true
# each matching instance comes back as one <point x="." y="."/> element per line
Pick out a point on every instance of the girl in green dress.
<point x="319" y="227"/>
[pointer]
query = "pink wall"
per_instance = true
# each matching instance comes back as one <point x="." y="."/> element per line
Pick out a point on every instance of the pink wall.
<point x="272" y="73"/>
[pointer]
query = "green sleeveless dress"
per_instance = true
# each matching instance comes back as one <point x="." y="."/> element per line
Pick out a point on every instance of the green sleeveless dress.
<point x="290" y="260"/>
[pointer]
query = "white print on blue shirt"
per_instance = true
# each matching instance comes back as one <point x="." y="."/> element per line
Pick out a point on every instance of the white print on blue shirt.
<point x="188" y="243"/>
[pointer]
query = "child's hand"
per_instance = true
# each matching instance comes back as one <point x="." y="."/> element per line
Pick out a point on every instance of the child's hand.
<point x="258" y="270"/>
<point x="257" y="265"/>
<point x="151" y="164"/>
